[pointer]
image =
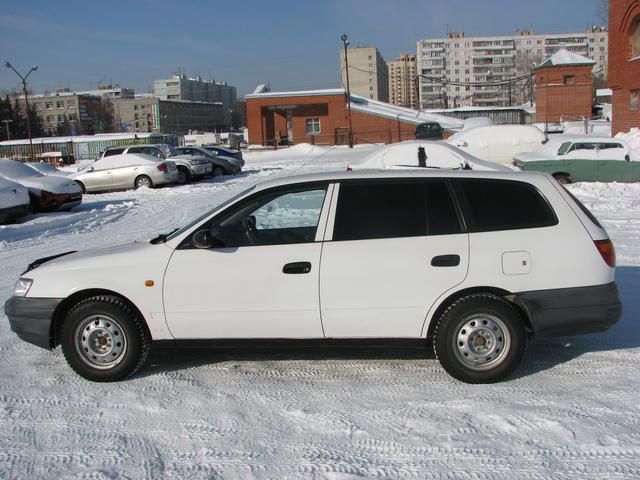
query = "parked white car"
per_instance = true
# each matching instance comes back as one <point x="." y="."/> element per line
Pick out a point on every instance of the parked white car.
<point x="474" y="260"/>
<point x="439" y="155"/>
<point x="498" y="143"/>
<point x="48" y="169"/>
<point x="131" y="170"/>
<point x="14" y="201"/>
<point x="47" y="193"/>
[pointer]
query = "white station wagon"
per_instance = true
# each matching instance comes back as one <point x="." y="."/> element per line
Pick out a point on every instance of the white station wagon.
<point x="476" y="261"/>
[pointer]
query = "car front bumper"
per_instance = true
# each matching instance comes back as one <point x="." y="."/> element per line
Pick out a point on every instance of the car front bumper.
<point x="11" y="214"/>
<point x="31" y="318"/>
<point x="571" y="311"/>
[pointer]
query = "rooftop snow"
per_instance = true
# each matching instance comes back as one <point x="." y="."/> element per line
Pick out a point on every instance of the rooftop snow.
<point x="565" y="57"/>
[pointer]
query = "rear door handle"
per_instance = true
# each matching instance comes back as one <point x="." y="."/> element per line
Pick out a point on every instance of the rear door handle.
<point x="297" y="268"/>
<point x="445" y="261"/>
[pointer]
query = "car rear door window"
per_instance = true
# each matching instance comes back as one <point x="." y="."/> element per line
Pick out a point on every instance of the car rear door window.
<point x="503" y="205"/>
<point x="392" y="209"/>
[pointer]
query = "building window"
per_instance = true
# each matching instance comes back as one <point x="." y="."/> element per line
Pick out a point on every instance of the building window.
<point x="72" y="117"/>
<point x="60" y="118"/>
<point x="49" y="105"/>
<point x="60" y="104"/>
<point x="569" y="79"/>
<point x="71" y="104"/>
<point x="313" y="126"/>
<point x="635" y="100"/>
<point x="635" y="41"/>
<point x="135" y="107"/>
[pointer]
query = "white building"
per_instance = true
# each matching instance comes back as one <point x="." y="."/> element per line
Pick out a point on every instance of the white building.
<point x="448" y="64"/>
<point x="368" y="75"/>
<point x="402" y="81"/>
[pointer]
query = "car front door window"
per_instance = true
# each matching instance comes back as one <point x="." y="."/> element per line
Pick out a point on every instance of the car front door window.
<point x="283" y="218"/>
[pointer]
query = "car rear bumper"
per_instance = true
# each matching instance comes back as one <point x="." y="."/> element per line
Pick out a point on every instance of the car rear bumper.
<point x="31" y="318"/>
<point x="571" y="311"/>
<point x="165" y="178"/>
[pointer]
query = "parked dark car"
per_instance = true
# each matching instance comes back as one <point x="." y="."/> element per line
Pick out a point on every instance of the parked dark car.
<point x="429" y="131"/>
<point x="224" y="151"/>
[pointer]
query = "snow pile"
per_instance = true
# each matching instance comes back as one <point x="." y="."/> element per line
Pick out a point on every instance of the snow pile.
<point x="632" y="138"/>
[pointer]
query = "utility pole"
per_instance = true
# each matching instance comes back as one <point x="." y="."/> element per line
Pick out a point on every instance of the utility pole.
<point x="345" y="41"/>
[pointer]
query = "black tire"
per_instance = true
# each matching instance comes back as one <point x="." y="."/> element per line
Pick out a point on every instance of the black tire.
<point x="480" y="338"/>
<point x="184" y="175"/>
<point x="82" y="187"/>
<point x="103" y="339"/>
<point x="562" y="178"/>
<point x="143" y="181"/>
<point x="218" y="171"/>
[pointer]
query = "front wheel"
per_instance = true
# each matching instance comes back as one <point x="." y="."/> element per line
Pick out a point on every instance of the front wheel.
<point x="143" y="181"/>
<point x="184" y="176"/>
<point x="480" y="339"/>
<point x="103" y="339"/>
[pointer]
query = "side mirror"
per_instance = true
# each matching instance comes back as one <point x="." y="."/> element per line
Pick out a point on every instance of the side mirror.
<point x="204" y="239"/>
<point x="90" y="169"/>
<point x="461" y="143"/>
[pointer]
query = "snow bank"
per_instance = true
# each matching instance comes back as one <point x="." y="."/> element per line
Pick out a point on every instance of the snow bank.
<point x="632" y="138"/>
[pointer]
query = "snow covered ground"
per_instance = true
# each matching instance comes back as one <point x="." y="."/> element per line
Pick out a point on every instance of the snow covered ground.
<point x="571" y="411"/>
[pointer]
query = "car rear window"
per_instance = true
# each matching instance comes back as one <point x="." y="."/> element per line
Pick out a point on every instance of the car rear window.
<point x="113" y="151"/>
<point x="392" y="209"/>
<point x="503" y="205"/>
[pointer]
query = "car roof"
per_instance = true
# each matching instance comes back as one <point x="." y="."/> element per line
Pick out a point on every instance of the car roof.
<point x="405" y="173"/>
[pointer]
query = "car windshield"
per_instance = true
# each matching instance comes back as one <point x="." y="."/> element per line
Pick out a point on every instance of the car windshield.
<point x="201" y="218"/>
<point x="13" y="169"/>
<point x="564" y="148"/>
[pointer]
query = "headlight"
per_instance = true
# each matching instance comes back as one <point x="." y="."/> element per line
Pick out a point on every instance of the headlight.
<point x="22" y="287"/>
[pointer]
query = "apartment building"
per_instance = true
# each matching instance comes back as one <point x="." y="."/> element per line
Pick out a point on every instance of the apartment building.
<point x="402" y="81"/>
<point x="67" y="113"/>
<point x="477" y="71"/>
<point x="151" y="114"/>
<point x="196" y="89"/>
<point x="368" y="75"/>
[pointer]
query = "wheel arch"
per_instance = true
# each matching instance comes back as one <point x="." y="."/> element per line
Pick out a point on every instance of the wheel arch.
<point x="81" y="185"/>
<point x="68" y="303"/>
<point x="454" y="297"/>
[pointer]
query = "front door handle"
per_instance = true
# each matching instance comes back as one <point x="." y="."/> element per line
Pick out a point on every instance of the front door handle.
<point x="445" y="261"/>
<point x="297" y="268"/>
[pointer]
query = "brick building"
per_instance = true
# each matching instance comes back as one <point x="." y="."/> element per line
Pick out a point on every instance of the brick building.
<point x="624" y="63"/>
<point x="321" y="117"/>
<point x="564" y="87"/>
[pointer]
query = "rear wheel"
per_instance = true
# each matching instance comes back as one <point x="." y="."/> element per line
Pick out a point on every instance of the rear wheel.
<point x="103" y="339"/>
<point x="562" y="178"/>
<point x="143" y="181"/>
<point x="480" y="339"/>
<point x="184" y="176"/>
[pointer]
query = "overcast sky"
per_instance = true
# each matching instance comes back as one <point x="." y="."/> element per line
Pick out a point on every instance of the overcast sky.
<point x="291" y="44"/>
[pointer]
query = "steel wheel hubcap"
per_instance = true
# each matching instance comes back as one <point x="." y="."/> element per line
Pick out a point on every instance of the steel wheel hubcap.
<point x="143" y="182"/>
<point x="100" y="342"/>
<point x="482" y="341"/>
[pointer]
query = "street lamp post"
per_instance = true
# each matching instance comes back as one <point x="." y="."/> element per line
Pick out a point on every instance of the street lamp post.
<point x="26" y="99"/>
<point x="345" y="41"/>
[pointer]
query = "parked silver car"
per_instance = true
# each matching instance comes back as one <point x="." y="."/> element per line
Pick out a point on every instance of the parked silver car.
<point x="222" y="165"/>
<point x="189" y="166"/>
<point x="130" y="170"/>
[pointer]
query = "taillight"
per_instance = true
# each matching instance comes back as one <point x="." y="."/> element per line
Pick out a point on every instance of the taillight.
<point x="163" y="167"/>
<point x="605" y="247"/>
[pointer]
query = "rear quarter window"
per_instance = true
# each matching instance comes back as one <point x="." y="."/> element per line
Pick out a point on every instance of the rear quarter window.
<point x="491" y="205"/>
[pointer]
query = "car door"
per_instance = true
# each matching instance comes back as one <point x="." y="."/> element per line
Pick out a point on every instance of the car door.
<point x="582" y="162"/>
<point x="612" y="163"/>
<point x="261" y="278"/>
<point x="392" y="248"/>
<point x="99" y="175"/>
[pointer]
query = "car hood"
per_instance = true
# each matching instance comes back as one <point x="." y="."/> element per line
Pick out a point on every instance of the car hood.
<point x="231" y="160"/>
<point x="94" y="256"/>
<point x="50" y="184"/>
<point x="533" y="156"/>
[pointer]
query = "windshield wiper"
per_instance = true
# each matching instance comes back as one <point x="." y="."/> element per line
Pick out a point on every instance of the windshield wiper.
<point x="162" y="237"/>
